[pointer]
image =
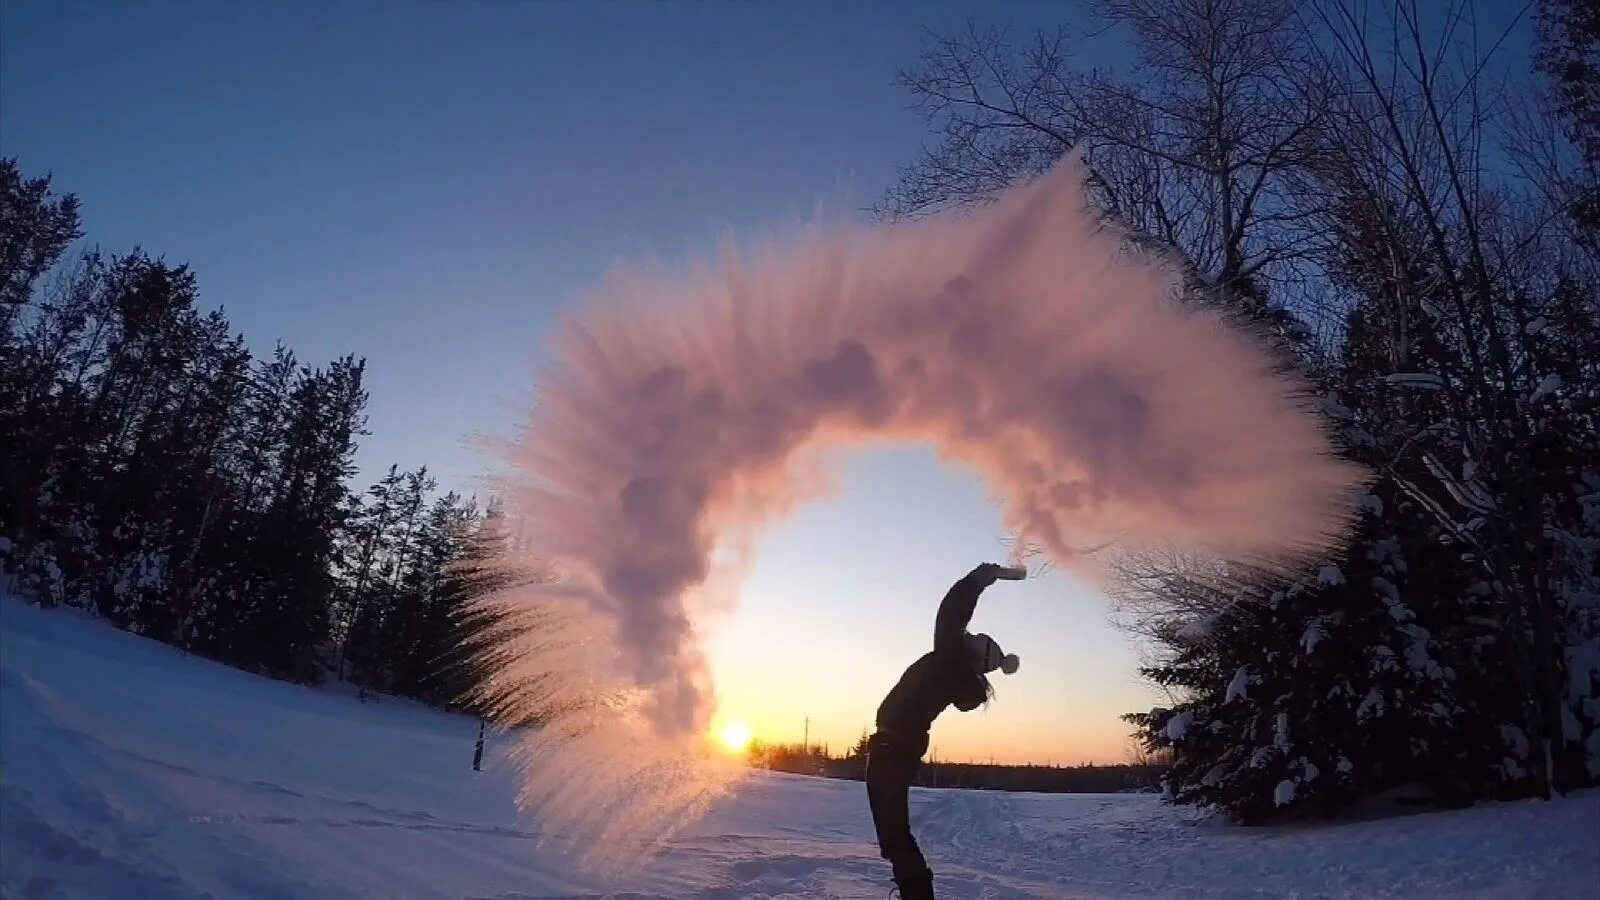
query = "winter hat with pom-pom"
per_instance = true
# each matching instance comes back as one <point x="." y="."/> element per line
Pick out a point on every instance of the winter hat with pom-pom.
<point x="986" y="655"/>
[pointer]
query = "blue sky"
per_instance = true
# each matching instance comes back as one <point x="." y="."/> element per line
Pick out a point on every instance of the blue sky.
<point x="428" y="185"/>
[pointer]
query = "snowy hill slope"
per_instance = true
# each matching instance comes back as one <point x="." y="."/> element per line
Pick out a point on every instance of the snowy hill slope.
<point x="129" y="770"/>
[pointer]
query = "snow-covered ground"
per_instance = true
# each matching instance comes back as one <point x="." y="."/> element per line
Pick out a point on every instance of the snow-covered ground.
<point x="130" y="770"/>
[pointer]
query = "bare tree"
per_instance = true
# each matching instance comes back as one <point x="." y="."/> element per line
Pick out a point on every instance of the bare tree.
<point x="1569" y="56"/>
<point x="1186" y="147"/>
<point x="1193" y="149"/>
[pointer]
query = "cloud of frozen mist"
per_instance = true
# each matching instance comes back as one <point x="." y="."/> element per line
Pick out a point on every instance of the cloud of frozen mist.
<point x="1023" y="340"/>
<point x="594" y="772"/>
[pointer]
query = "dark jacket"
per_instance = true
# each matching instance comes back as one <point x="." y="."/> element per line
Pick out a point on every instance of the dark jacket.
<point x="940" y="678"/>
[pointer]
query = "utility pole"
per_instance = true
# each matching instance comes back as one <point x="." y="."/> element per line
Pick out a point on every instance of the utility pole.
<point x="805" y="742"/>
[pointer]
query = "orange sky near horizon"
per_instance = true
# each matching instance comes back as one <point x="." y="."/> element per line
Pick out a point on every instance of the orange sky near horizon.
<point x="841" y="597"/>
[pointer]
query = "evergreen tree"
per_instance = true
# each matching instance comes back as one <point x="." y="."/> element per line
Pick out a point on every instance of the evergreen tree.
<point x="288" y="618"/>
<point x="367" y="540"/>
<point x="36" y="227"/>
<point x="153" y="472"/>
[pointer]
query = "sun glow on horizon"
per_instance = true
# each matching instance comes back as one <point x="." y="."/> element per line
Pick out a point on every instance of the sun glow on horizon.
<point x="735" y="737"/>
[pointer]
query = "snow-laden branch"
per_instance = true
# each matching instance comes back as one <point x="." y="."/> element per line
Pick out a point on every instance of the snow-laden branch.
<point x="1468" y="492"/>
<point x="1419" y="380"/>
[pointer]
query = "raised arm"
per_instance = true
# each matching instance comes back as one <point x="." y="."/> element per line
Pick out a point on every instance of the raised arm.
<point x="955" y="611"/>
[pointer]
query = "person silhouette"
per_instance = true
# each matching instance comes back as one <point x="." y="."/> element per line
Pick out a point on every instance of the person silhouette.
<point x="954" y="673"/>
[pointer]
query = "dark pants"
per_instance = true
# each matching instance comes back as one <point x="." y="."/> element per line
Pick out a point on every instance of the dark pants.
<point x="892" y="763"/>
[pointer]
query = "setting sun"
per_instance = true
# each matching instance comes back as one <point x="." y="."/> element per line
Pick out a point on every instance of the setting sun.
<point x="735" y="737"/>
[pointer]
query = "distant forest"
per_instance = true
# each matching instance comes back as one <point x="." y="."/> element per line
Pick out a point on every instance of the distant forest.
<point x="157" y="473"/>
<point x="1140" y="776"/>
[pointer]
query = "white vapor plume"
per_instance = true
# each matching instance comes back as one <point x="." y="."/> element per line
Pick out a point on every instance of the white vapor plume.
<point x="1023" y="340"/>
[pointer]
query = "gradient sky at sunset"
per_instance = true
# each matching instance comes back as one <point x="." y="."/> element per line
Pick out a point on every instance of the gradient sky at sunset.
<point x="429" y="185"/>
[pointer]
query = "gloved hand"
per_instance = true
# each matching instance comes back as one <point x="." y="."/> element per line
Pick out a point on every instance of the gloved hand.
<point x="985" y="574"/>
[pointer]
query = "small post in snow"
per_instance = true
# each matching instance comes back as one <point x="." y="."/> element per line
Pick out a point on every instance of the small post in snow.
<point x="477" y="753"/>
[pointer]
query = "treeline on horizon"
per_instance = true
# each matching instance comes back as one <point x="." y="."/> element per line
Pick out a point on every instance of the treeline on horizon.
<point x="800" y="758"/>
<point x="156" y="472"/>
